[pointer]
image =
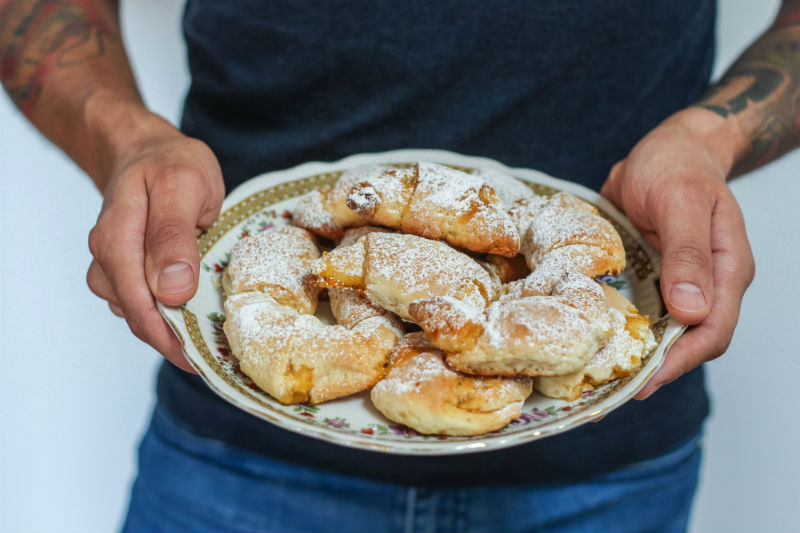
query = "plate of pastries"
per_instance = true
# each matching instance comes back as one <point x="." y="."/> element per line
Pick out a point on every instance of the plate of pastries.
<point x="423" y="302"/>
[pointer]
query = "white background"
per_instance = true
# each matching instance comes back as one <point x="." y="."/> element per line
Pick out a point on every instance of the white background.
<point x="76" y="387"/>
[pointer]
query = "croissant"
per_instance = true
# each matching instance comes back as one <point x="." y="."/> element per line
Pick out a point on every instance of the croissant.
<point x="349" y="307"/>
<point x="437" y="202"/>
<point x="276" y="262"/>
<point x="393" y="269"/>
<point x="296" y="358"/>
<point x="539" y="335"/>
<point x="289" y="353"/>
<point x="324" y="211"/>
<point x="622" y="354"/>
<point x="421" y="392"/>
<point x="548" y="223"/>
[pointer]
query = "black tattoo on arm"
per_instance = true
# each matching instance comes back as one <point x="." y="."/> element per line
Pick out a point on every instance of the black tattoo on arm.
<point x="761" y="90"/>
<point x="764" y="82"/>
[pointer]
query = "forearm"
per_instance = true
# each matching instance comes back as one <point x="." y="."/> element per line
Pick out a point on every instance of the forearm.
<point x="756" y="104"/>
<point x="63" y="64"/>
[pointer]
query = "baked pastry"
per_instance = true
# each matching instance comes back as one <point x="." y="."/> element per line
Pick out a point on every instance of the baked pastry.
<point x="296" y="358"/>
<point x="324" y="211"/>
<point x="349" y="307"/>
<point x="421" y="392"/>
<point x="393" y="269"/>
<point x="542" y="335"/>
<point x="622" y="354"/>
<point x="275" y="262"/>
<point x="489" y="326"/>
<point x="548" y="223"/>
<point x="437" y="202"/>
<point x="509" y="190"/>
<point x="508" y="269"/>
<point x="286" y="351"/>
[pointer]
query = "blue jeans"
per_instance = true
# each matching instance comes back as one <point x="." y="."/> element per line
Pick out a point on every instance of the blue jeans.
<point x="191" y="483"/>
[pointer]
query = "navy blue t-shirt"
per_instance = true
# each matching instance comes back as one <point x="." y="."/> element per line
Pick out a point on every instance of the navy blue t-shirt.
<point x="566" y="87"/>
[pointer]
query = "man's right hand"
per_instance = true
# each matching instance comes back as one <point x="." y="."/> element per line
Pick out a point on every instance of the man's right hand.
<point x="161" y="193"/>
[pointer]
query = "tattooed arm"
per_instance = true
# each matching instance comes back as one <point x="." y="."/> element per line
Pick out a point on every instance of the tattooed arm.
<point x="64" y="65"/>
<point x="760" y="93"/>
<point x="673" y="188"/>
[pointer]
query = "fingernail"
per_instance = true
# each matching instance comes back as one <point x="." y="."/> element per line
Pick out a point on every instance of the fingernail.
<point x="650" y="392"/>
<point x="687" y="296"/>
<point x="177" y="277"/>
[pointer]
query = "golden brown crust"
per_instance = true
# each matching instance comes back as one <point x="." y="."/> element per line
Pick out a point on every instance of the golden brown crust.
<point x="550" y="324"/>
<point x="541" y="335"/>
<point x="508" y="189"/>
<point x="297" y="358"/>
<point x="421" y="392"/>
<point x="449" y="324"/>
<point x="438" y="202"/>
<point x="350" y="307"/>
<point x="620" y="357"/>
<point x="546" y="224"/>
<point x="394" y="269"/>
<point x="324" y="211"/>
<point x="276" y="262"/>
<point x="285" y="350"/>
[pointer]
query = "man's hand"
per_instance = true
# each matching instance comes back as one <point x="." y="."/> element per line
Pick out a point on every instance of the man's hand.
<point x="161" y="193"/>
<point x="64" y="65"/>
<point x="672" y="187"/>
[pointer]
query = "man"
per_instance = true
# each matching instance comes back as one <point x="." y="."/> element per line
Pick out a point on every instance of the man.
<point x="569" y="90"/>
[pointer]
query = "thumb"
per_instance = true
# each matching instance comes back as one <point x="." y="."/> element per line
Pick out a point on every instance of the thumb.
<point x="172" y="259"/>
<point x="684" y="230"/>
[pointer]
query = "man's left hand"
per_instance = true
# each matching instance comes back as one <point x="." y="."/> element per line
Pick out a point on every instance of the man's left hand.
<point x="673" y="188"/>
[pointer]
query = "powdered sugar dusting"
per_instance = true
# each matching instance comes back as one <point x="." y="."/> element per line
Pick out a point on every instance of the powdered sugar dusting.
<point x="560" y="222"/>
<point x="276" y="261"/>
<point x="416" y="267"/>
<point x="413" y="376"/>
<point x="508" y="189"/>
<point x="587" y="260"/>
<point x="451" y="311"/>
<point x="363" y="200"/>
<point x="523" y="210"/>
<point x="539" y="323"/>
<point x="618" y="351"/>
<point x="312" y="214"/>
<point x="390" y="188"/>
<point x="448" y="189"/>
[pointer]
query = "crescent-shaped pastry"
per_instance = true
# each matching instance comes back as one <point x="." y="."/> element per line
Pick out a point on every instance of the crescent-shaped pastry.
<point x="285" y="350"/>
<point x="622" y="354"/>
<point x="541" y="335"/>
<point x="275" y="262"/>
<point x="324" y="211"/>
<point x="437" y="202"/>
<point x="421" y="392"/>
<point x="546" y="224"/>
<point x="393" y="269"/>
<point x="297" y="358"/>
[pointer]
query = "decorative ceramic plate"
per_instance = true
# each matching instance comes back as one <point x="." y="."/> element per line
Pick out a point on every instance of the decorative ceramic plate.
<point x="268" y="201"/>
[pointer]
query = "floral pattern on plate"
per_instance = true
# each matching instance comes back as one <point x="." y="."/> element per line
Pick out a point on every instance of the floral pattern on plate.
<point x="268" y="201"/>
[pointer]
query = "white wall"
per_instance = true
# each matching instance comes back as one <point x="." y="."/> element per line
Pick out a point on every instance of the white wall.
<point x="749" y="478"/>
<point x="76" y="389"/>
